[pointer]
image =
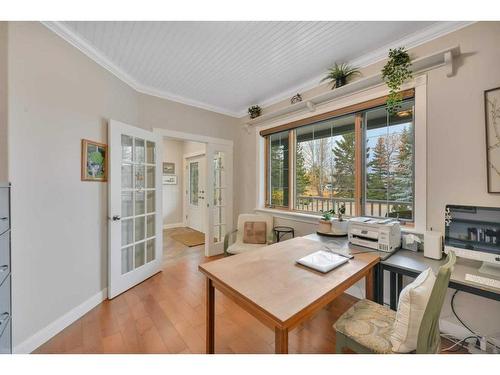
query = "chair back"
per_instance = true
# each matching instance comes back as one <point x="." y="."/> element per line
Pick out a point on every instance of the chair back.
<point x="243" y="218"/>
<point x="429" y="338"/>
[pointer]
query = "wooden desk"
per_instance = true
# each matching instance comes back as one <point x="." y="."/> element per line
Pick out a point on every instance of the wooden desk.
<point x="268" y="284"/>
<point x="410" y="263"/>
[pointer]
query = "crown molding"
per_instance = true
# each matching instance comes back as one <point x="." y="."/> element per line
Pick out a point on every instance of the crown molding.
<point x="410" y="41"/>
<point x="87" y="49"/>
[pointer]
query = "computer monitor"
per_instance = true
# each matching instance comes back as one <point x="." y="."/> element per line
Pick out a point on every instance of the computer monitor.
<point x="474" y="232"/>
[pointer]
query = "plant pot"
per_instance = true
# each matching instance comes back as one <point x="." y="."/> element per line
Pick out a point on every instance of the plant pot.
<point x="324" y="226"/>
<point x="340" y="81"/>
<point x="339" y="228"/>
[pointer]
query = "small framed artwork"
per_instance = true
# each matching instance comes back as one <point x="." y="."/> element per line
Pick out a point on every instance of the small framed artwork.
<point x="492" y="118"/>
<point x="94" y="161"/>
<point x="168" y="168"/>
<point x="170" y="180"/>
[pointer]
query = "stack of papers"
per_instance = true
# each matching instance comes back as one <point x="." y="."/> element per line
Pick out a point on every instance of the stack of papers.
<point x="323" y="261"/>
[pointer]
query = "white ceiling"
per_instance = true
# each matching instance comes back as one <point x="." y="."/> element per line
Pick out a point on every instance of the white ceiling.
<point x="228" y="66"/>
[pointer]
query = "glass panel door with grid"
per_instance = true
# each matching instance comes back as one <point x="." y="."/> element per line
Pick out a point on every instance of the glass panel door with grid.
<point x="219" y="183"/>
<point x="135" y="233"/>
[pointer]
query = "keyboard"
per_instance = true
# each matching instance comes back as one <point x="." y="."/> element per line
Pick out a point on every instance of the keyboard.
<point x="483" y="280"/>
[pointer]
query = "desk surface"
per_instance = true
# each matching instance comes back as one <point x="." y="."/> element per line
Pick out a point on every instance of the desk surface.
<point x="416" y="262"/>
<point x="279" y="291"/>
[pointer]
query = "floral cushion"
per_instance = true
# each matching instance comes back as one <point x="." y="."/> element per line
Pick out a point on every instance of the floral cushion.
<point x="369" y="324"/>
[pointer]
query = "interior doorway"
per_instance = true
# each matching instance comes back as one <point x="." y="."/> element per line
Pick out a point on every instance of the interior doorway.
<point x="194" y="192"/>
<point x="197" y="189"/>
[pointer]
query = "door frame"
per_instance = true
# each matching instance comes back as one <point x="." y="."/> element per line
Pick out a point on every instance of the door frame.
<point x="185" y="177"/>
<point x="183" y="136"/>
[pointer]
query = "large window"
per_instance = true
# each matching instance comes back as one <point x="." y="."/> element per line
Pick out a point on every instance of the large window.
<point x="363" y="161"/>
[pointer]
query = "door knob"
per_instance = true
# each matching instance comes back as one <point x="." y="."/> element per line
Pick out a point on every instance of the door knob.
<point x="116" y="218"/>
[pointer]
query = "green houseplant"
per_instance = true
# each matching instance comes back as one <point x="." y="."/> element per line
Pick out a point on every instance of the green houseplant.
<point x="395" y="72"/>
<point x="254" y="111"/>
<point x="325" y="223"/>
<point x="340" y="74"/>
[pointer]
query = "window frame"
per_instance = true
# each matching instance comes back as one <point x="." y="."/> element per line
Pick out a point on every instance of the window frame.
<point x="359" y="111"/>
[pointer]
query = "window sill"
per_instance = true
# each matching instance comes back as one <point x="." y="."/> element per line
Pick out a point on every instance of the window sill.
<point x="313" y="219"/>
<point x="290" y="215"/>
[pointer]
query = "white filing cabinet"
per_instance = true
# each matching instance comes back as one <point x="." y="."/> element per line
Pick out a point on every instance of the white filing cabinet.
<point x="5" y="278"/>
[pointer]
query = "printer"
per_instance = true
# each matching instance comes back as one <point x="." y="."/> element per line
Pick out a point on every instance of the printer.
<point x="378" y="234"/>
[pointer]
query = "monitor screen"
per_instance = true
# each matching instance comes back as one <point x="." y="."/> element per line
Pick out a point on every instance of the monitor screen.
<point x="473" y="228"/>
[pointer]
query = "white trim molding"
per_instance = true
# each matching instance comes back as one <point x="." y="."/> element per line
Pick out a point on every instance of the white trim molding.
<point x="86" y="48"/>
<point x="174" y="225"/>
<point x="410" y="41"/>
<point x="419" y="83"/>
<point x="182" y="136"/>
<point x="46" y="333"/>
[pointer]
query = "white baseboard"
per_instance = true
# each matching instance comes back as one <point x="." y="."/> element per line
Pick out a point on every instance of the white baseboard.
<point x="59" y="324"/>
<point x="174" y="225"/>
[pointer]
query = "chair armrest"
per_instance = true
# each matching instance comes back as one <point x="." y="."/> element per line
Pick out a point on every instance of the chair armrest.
<point x="226" y="240"/>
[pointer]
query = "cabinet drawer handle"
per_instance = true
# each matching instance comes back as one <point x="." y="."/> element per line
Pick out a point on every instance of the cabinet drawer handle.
<point x="4" y="268"/>
<point x="4" y="218"/>
<point x="3" y="318"/>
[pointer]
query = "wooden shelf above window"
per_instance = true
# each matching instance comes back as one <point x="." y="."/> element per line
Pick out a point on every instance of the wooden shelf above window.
<point x="438" y="59"/>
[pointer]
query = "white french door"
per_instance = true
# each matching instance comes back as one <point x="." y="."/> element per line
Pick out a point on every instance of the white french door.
<point x="218" y="197"/>
<point x="134" y="206"/>
<point x="195" y="192"/>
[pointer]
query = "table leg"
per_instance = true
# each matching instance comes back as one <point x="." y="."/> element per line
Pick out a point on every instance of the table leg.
<point x="369" y="284"/>
<point x="210" y="338"/>
<point x="393" y="292"/>
<point x="280" y="340"/>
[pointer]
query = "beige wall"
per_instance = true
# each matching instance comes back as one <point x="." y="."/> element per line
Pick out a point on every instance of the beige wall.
<point x="172" y="194"/>
<point x="3" y="102"/>
<point x="456" y="160"/>
<point x="56" y="97"/>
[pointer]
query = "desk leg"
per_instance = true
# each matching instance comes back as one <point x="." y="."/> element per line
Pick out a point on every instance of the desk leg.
<point x="369" y="284"/>
<point x="280" y="340"/>
<point x="399" y="286"/>
<point x="379" y="277"/>
<point x="210" y="338"/>
<point x="393" y="292"/>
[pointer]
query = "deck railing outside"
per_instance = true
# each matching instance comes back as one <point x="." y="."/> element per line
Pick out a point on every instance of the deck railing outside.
<point x="373" y="207"/>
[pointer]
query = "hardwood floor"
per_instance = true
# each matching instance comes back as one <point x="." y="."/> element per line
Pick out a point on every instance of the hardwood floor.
<point x="166" y="314"/>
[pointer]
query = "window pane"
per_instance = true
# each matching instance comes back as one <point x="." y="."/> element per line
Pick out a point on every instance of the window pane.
<point x="151" y="201"/>
<point x="139" y="150"/>
<point x="150" y="152"/>
<point x="126" y="148"/>
<point x="278" y="169"/>
<point x="127" y="260"/>
<point x="193" y="183"/>
<point x="150" y="250"/>
<point x="150" y="226"/>
<point x="324" y="166"/>
<point x="140" y="229"/>
<point x="389" y="163"/>
<point x="127" y="204"/>
<point x="139" y="254"/>
<point x="139" y="202"/>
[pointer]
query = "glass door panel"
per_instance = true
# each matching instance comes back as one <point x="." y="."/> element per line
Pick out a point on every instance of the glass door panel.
<point x="219" y="196"/>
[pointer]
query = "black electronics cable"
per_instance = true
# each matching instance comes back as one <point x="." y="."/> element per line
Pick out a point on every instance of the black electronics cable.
<point x="461" y="321"/>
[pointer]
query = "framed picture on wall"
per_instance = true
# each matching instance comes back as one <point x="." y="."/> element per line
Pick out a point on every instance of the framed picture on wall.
<point x="170" y="180"/>
<point x="492" y="118"/>
<point x="94" y="165"/>
<point x="168" y="168"/>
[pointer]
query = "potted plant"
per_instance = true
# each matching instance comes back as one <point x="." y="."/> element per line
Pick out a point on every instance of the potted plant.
<point x="254" y="111"/>
<point x="339" y="225"/>
<point x="340" y="74"/>
<point x="325" y="223"/>
<point x="395" y="72"/>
